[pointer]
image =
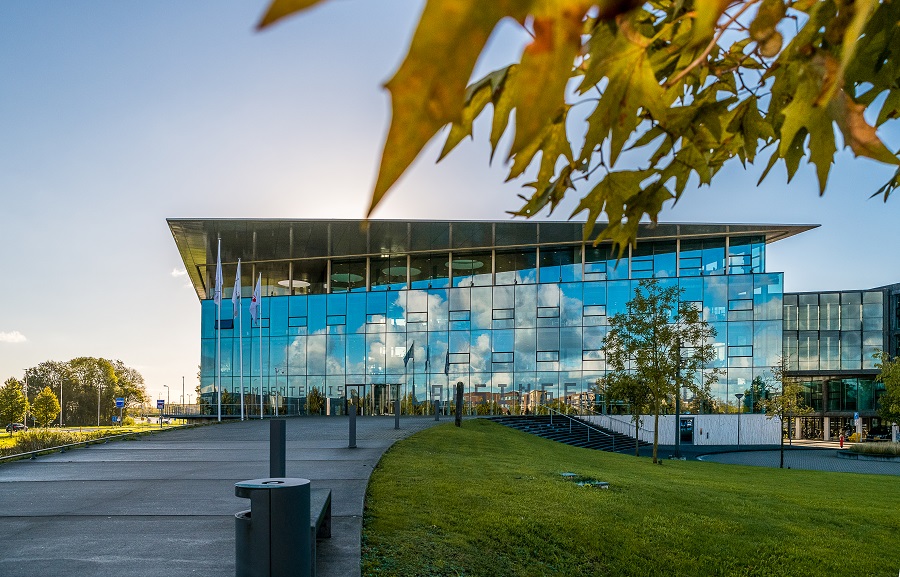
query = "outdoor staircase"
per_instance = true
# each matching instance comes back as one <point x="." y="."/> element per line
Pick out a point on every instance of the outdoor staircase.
<point x="572" y="431"/>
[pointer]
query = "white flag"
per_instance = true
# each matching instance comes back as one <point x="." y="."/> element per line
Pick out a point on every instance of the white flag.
<point x="236" y="294"/>
<point x="217" y="295"/>
<point x="254" y="302"/>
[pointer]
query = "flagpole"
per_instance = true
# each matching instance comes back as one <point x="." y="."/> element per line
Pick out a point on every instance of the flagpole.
<point x="219" y="328"/>
<point x="240" y="313"/>
<point x="259" y="324"/>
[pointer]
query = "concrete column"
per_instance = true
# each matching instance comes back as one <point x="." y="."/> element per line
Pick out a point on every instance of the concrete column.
<point x="798" y="432"/>
<point x="826" y="428"/>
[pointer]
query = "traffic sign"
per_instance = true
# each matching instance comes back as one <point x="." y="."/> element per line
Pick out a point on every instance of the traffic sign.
<point x="120" y="402"/>
<point x="160" y="404"/>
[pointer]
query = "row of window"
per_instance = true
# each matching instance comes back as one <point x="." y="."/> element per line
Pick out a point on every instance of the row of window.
<point x="850" y="311"/>
<point x="668" y="259"/>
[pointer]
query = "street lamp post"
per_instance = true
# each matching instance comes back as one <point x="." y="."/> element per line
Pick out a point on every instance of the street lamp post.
<point x="739" y="396"/>
<point x="167" y="397"/>
<point x="678" y="399"/>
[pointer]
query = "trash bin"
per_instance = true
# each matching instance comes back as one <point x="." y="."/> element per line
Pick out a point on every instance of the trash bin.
<point x="272" y="538"/>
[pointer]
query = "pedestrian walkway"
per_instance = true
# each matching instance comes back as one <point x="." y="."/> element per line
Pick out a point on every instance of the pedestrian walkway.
<point x="164" y="505"/>
<point x="815" y="459"/>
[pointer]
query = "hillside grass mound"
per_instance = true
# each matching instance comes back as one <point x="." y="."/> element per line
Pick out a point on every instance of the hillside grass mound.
<point x="486" y="500"/>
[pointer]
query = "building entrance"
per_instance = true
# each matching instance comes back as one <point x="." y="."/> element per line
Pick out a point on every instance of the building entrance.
<point x="686" y="430"/>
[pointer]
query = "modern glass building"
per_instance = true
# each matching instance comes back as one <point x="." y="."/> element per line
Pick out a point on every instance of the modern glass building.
<point x="830" y="339"/>
<point x="516" y="311"/>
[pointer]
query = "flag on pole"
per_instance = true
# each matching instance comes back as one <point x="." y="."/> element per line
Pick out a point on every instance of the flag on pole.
<point x="217" y="295"/>
<point x="254" y="302"/>
<point x="409" y="354"/>
<point x="427" y="355"/>
<point x="236" y="293"/>
<point x="447" y="364"/>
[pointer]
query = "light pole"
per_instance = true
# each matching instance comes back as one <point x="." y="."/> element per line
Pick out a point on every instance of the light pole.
<point x="182" y="390"/>
<point x="739" y="396"/>
<point x="167" y="397"/>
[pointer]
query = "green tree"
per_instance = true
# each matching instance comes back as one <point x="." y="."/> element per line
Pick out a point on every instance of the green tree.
<point x="889" y="374"/>
<point x="627" y="387"/>
<point x="661" y="342"/>
<point x="58" y="376"/>
<point x="686" y="86"/>
<point x="315" y="402"/>
<point x="130" y="386"/>
<point x="784" y="400"/>
<point x="45" y="407"/>
<point x="13" y="403"/>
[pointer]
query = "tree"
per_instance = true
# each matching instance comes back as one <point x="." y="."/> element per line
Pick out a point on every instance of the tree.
<point x="129" y="385"/>
<point x="627" y="387"/>
<point x="889" y="374"/>
<point x="662" y="343"/>
<point x="784" y="399"/>
<point x="685" y="87"/>
<point x="315" y="402"/>
<point x="58" y="376"/>
<point x="45" y="407"/>
<point x="13" y="403"/>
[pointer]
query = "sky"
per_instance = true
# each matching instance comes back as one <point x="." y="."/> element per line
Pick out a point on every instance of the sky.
<point x="117" y="115"/>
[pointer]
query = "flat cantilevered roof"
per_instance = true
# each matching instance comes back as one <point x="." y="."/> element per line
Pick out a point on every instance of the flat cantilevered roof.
<point x="271" y="240"/>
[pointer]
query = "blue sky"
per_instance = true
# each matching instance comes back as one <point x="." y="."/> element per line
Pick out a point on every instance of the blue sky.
<point x="117" y="115"/>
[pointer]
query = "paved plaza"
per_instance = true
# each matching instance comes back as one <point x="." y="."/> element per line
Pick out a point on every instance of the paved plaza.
<point x="164" y="505"/>
<point x="810" y="459"/>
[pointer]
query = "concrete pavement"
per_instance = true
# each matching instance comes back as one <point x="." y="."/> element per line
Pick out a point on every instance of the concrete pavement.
<point x="164" y="505"/>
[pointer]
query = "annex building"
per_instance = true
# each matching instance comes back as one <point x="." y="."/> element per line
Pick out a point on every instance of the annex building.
<point x="516" y="311"/>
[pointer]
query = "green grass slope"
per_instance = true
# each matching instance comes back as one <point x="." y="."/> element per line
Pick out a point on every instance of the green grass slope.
<point x="487" y="500"/>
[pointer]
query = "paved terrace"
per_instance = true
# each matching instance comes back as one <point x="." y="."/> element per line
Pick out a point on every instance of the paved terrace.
<point x="164" y="505"/>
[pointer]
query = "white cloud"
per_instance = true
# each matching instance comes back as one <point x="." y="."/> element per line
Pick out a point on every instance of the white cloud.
<point x="12" y="337"/>
<point x="177" y="272"/>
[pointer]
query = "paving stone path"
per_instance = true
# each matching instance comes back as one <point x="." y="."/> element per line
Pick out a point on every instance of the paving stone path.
<point x="164" y="505"/>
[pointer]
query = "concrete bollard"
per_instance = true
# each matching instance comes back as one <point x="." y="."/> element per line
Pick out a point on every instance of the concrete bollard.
<point x="277" y="448"/>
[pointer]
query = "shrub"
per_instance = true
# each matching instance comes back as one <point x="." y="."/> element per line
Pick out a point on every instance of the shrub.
<point x="39" y="439"/>
<point x="877" y="448"/>
<point x="128" y="421"/>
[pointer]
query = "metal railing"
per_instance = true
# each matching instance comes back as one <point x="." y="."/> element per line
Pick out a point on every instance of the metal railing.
<point x="576" y="421"/>
<point x="624" y="421"/>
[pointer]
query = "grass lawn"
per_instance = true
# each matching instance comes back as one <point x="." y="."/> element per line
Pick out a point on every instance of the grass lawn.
<point x="487" y="500"/>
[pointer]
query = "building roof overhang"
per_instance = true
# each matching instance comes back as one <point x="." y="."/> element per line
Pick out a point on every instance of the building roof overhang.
<point x="271" y="240"/>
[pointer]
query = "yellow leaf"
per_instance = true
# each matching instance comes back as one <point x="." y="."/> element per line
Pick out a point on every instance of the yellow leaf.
<point x="279" y="9"/>
<point x="428" y="90"/>
<point x="538" y="92"/>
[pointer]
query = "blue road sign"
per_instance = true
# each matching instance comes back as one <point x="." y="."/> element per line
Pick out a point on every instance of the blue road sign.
<point x="120" y="402"/>
<point x="160" y="404"/>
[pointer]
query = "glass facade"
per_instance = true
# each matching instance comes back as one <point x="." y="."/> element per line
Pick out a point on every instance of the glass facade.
<point x="515" y="326"/>
<point x="833" y="331"/>
<point x="516" y="311"/>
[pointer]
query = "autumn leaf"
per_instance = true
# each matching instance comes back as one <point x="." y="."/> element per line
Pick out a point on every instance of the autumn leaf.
<point x="428" y="90"/>
<point x="279" y="9"/>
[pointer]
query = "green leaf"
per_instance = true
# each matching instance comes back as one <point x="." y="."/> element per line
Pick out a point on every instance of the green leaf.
<point x="552" y="144"/>
<point x="620" y="54"/>
<point x="551" y="193"/>
<point x="623" y="199"/>
<point x="478" y="95"/>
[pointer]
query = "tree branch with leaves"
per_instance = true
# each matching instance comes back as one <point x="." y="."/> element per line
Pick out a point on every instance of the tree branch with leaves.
<point x="686" y="87"/>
